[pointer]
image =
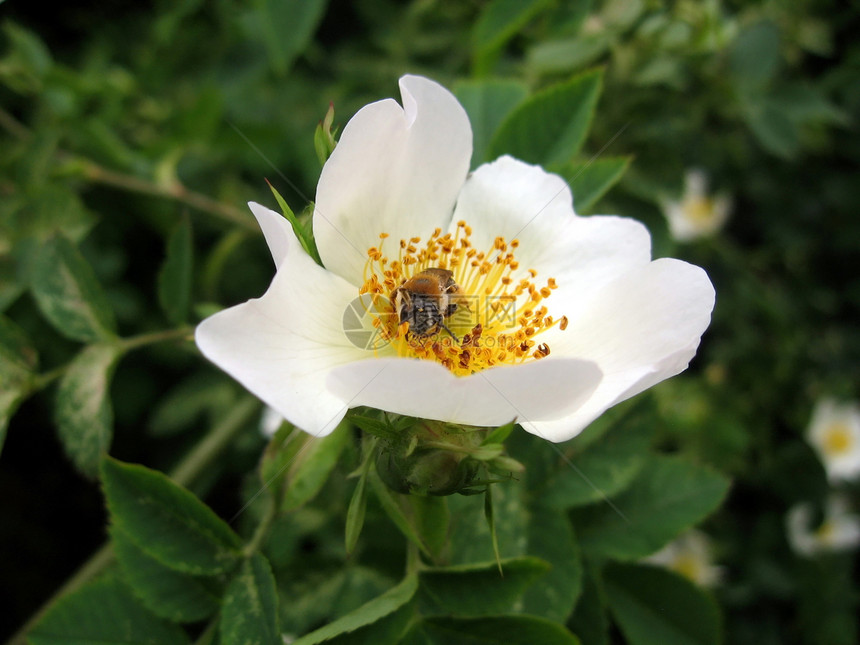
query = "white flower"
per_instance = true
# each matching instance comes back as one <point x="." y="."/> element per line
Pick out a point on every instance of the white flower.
<point x="270" y="421"/>
<point x="696" y="214"/>
<point x="839" y="530"/>
<point x="690" y="555"/>
<point x="834" y="432"/>
<point x="395" y="197"/>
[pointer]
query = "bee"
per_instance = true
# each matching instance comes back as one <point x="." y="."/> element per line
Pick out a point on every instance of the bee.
<point x="426" y="299"/>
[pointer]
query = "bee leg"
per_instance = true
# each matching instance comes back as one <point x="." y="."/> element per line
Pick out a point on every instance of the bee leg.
<point x="443" y="326"/>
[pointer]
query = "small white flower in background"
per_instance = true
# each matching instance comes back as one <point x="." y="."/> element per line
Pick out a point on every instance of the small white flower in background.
<point x="834" y="433"/>
<point x="697" y="214"/>
<point x="838" y="531"/>
<point x="559" y="317"/>
<point x="690" y="555"/>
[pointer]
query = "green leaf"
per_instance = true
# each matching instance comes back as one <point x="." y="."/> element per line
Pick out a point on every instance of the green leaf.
<point x="83" y="411"/>
<point x="168" y="522"/>
<point x="357" y="507"/>
<point x="498" y="23"/>
<point x="553" y="57"/>
<point x="669" y="495"/>
<point x="478" y="589"/>
<point x="551" y="537"/>
<point x="590" y="180"/>
<point x="487" y="103"/>
<point x="602" y="470"/>
<point x="67" y="293"/>
<point x="312" y="466"/>
<point x="498" y="435"/>
<point x="432" y="520"/>
<point x="490" y="630"/>
<point x="754" y="55"/>
<point x="774" y="129"/>
<point x="371" y="612"/>
<point x="286" y="27"/>
<point x="170" y="594"/>
<point x="174" y="279"/>
<point x="103" y="613"/>
<point x="471" y="540"/>
<point x="395" y="512"/>
<point x="18" y="360"/>
<point x="249" y="614"/>
<point x="590" y="620"/>
<point x="657" y="607"/>
<point x="550" y="127"/>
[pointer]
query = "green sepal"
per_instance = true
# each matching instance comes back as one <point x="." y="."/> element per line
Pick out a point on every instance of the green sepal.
<point x="302" y="230"/>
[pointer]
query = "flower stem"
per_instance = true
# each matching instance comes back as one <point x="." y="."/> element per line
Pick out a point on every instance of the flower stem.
<point x="173" y="190"/>
<point x="183" y="474"/>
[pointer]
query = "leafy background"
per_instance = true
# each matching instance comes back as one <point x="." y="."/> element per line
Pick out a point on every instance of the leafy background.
<point x="131" y="137"/>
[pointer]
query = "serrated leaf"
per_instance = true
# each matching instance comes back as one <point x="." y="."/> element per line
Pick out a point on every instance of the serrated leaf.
<point x="286" y="27"/>
<point x="83" y="411"/>
<point x="312" y="466"/>
<point x="602" y="470"/>
<point x="167" y="521"/>
<point x="478" y="589"/>
<point x="369" y="613"/>
<point x="551" y="537"/>
<point x="590" y="180"/>
<point x="669" y="495"/>
<point x="68" y="294"/>
<point x="103" y="613"/>
<point x="249" y="613"/>
<point x="653" y="606"/>
<point x="170" y="594"/>
<point x="550" y="127"/>
<point x="490" y="630"/>
<point x="487" y="102"/>
<point x="174" y="279"/>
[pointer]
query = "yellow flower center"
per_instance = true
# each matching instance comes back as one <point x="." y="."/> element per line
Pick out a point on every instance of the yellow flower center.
<point x="837" y="439"/>
<point x="486" y="313"/>
<point x="688" y="566"/>
<point x="699" y="210"/>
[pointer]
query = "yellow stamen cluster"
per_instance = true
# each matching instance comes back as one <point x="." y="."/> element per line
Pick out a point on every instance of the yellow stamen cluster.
<point x="499" y="308"/>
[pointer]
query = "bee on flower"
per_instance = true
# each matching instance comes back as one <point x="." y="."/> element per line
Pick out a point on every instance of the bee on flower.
<point x="490" y="298"/>
<point x="696" y="214"/>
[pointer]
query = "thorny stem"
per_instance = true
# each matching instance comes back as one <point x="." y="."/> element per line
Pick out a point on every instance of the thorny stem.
<point x="197" y="461"/>
<point x="174" y="190"/>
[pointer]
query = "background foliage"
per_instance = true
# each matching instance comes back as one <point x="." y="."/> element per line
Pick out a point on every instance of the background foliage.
<point x="133" y="135"/>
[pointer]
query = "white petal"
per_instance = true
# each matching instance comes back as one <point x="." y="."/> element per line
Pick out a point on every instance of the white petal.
<point x="394" y="170"/>
<point x="513" y="199"/>
<point x="276" y="229"/>
<point x="282" y="346"/>
<point x="538" y="390"/>
<point x="640" y="330"/>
